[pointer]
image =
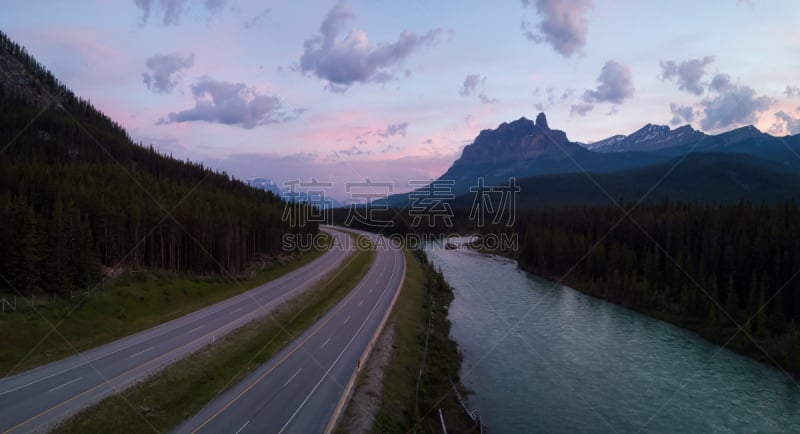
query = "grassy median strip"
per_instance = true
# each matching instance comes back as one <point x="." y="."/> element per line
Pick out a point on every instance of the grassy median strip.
<point x="167" y="398"/>
<point x="400" y="410"/>
<point x="131" y="303"/>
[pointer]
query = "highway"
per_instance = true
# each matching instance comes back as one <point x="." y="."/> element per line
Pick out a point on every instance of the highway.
<point x="34" y="400"/>
<point x="302" y="387"/>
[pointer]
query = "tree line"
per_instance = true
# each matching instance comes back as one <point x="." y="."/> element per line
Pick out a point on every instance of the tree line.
<point x="712" y="268"/>
<point x="78" y="198"/>
<point x="709" y="267"/>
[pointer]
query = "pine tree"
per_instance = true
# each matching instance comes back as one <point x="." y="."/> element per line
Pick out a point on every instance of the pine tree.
<point x="732" y="303"/>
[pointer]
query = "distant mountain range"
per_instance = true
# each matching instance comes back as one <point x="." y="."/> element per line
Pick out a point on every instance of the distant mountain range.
<point x="740" y="164"/>
<point x="704" y="177"/>
<point x="284" y="193"/>
<point x="648" y="138"/>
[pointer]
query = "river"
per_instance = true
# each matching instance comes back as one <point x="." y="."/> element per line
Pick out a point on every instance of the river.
<point x="547" y="358"/>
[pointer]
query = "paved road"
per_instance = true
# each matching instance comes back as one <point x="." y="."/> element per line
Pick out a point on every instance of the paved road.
<point x="300" y="387"/>
<point x="33" y="400"/>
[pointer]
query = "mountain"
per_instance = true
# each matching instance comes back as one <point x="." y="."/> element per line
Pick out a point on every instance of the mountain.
<point x="648" y="138"/>
<point x="524" y="148"/>
<point x="79" y="199"/>
<point x="747" y="140"/>
<point x="321" y="201"/>
<point x="510" y="150"/>
<point x="265" y="184"/>
<point x="703" y="177"/>
<point x="680" y="141"/>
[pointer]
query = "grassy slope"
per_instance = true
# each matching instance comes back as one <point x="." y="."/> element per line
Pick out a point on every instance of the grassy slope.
<point x="134" y="302"/>
<point x="169" y="397"/>
<point x="397" y="413"/>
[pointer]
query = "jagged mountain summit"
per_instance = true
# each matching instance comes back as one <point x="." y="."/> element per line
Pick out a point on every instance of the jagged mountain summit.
<point x="525" y="148"/>
<point x="517" y="143"/>
<point x="648" y="138"/>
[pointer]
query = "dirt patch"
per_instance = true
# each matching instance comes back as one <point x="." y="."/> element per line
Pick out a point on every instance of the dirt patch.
<point x="364" y="405"/>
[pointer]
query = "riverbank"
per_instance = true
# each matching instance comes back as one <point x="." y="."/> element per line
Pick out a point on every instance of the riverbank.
<point x="546" y="358"/>
<point x="391" y="396"/>
<point x="773" y="350"/>
<point x="779" y="351"/>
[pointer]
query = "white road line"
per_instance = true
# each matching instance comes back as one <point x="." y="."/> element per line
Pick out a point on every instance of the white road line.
<point x="330" y="368"/>
<point x="64" y="385"/>
<point x="347" y="319"/>
<point x="195" y="329"/>
<point x="324" y="343"/>
<point x="240" y="429"/>
<point x="360" y="302"/>
<point x="234" y="311"/>
<point x="292" y="377"/>
<point x="142" y="352"/>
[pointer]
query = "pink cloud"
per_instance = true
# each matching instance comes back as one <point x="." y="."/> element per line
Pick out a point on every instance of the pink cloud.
<point x="303" y="166"/>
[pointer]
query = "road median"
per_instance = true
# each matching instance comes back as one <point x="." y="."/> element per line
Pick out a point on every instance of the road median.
<point x="165" y="399"/>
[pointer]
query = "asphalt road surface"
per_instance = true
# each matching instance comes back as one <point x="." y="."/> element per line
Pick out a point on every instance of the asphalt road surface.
<point x="299" y="388"/>
<point x="36" y="399"/>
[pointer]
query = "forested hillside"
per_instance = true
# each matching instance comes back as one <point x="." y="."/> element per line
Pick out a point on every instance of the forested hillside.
<point x="79" y="198"/>
<point x="711" y="268"/>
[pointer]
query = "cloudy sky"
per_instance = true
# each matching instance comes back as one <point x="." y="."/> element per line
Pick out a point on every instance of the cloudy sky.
<point x="345" y="90"/>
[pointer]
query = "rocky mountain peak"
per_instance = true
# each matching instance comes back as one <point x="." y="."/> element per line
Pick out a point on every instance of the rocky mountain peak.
<point x="517" y="142"/>
<point x="541" y="121"/>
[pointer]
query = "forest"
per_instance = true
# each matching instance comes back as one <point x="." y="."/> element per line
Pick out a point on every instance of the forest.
<point x="709" y="267"/>
<point x="730" y="272"/>
<point x="80" y="200"/>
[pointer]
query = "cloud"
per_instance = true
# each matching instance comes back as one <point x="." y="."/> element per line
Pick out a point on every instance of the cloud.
<point x="232" y="104"/>
<point x="485" y="99"/>
<point x="785" y="124"/>
<point x="686" y="74"/>
<point x="353" y="151"/>
<point x="258" y="19"/>
<point x="681" y="114"/>
<point x="474" y="84"/>
<point x="352" y="59"/>
<point x="470" y="85"/>
<point x="172" y="10"/>
<point x="580" y="109"/>
<point x="563" y="25"/>
<point x="303" y="167"/>
<point x="721" y="83"/>
<point x="165" y="71"/>
<point x="733" y="106"/>
<point x="394" y="130"/>
<point x="791" y="91"/>
<point x="615" y="84"/>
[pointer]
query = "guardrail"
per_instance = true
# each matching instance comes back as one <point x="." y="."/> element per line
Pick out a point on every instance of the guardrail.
<point x="350" y="386"/>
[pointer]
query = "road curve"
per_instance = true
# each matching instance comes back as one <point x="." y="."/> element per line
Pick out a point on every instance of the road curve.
<point x="300" y="388"/>
<point x="41" y="397"/>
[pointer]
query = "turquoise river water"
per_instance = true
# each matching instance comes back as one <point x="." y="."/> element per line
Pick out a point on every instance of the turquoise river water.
<point x="545" y="358"/>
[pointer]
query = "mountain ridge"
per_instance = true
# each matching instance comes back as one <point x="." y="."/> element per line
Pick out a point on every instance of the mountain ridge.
<point x="524" y="148"/>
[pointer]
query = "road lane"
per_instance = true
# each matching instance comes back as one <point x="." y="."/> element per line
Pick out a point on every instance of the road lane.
<point x="43" y="396"/>
<point x="299" y="388"/>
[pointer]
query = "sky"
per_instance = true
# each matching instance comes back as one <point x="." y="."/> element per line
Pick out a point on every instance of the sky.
<point x="348" y="90"/>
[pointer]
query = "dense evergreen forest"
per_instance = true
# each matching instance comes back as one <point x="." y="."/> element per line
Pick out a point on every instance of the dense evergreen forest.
<point x="713" y="267"/>
<point x="79" y="198"/>
<point x="707" y="267"/>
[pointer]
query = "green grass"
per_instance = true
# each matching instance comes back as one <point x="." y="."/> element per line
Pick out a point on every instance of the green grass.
<point x="398" y="412"/>
<point x="136" y="301"/>
<point x="167" y="398"/>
